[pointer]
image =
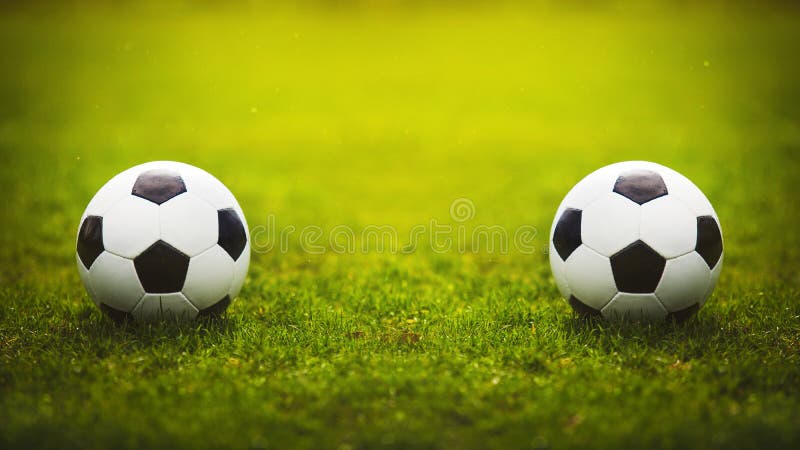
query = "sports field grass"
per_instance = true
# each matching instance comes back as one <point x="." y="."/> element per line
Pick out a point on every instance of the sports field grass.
<point x="359" y="117"/>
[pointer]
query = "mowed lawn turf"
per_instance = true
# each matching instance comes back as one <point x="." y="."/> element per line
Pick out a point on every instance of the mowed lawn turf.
<point x="359" y="117"/>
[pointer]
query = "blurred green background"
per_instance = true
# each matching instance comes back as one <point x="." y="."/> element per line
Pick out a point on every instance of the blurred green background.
<point x="359" y="113"/>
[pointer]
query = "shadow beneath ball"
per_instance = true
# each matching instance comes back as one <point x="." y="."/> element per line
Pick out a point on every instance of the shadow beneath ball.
<point x="661" y="334"/>
<point x="103" y="333"/>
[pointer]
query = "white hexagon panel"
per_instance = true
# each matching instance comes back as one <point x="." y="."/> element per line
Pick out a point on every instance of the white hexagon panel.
<point x="682" y="188"/>
<point x="204" y="185"/>
<point x="148" y="308"/>
<point x="115" y="189"/>
<point x="209" y="278"/>
<point x="610" y="224"/>
<point x="114" y="281"/>
<point x="176" y="306"/>
<point x="684" y="282"/>
<point x="589" y="277"/>
<point x="189" y="224"/>
<point x="634" y="307"/>
<point x="668" y="227"/>
<point x="130" y="226"/>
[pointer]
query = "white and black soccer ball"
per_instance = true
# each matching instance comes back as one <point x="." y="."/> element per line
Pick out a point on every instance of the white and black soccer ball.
<point x="638" y="240"/>
<point x="163" y="240"/>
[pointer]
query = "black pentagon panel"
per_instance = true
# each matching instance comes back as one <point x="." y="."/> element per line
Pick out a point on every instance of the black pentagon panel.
<point x="684" y="314"/>
<point x="582" y="308"/>
<point x="709" y="240"/>
<point x="637" y="268"/>
<point x="90" y="240"/>
<point x="232" y="235"/>
<point x="567" y="235"/>
<point x="216" y="309"/>
<point x="161" y="268"/>
<point x="115" y="314"/>
<point x="158" y="185"/>
<point x="640" y="186"/>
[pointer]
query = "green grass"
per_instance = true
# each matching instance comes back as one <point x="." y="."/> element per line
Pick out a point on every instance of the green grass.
<point x="357" y="117"/>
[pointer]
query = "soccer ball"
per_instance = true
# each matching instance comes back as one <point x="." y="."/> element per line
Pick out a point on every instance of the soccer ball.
<point x="163" y="240"/>
<point x="636" y="240"/>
